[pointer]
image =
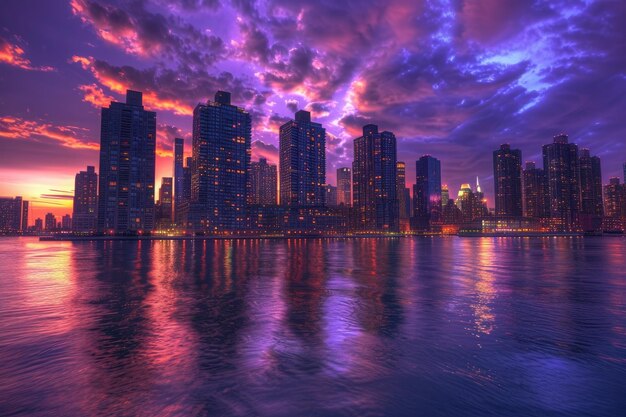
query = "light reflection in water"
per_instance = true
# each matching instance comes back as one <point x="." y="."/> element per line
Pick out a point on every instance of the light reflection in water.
<point x="312" y="327"/>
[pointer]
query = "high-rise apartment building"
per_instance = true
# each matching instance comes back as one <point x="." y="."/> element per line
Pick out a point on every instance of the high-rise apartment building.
<point x="562" y="169"/>
<point x="427" y="204"/>
<point x="164" y="204"/>
<point x="127" y="164"/>
<point x="535" y="192"/>
<point x="179" y="176"/>
<point x="590" y="184"/>
<point x="374" y="181"/>
<point x="85" y="211"/>
<point x="302" y="161"/>
<point x="13" y="215"/>
<point x="404" y="206"/>
<point x="507" y="178"/>
<point x="263" y="183"/>
<point x="344" y="186"/>
<point x="220" y="166"/>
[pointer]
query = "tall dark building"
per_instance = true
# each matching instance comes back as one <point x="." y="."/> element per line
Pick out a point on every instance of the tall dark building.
<point x="221" y="163"/>
<point x="13" y="215"/>
<point x="179" y="175"/>
<point x="330" y="198"/>
<point x="561" y="165"/>
<point x="535" y="192"/>
<point x="127" y="162"/>
<point x="302" y="161"/>
<point x="50" y="222"/>
<point x="374" y="181"/>
<point x="590" y="184"/>
<point x="507" y="178"/>
<point x="263" y="183"/>
<point x="344" y="186"/>
<point x="163" y="212"/>
<point x="613" y="198"/>
<point x="187" y="174"/>
<point x="427" y="192"/>
<point x="85" y="216"/>
<point x="624" y="173"/>
<point x="404" y="206"/>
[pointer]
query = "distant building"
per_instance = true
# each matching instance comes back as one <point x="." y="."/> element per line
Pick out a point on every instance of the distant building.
<point x="331" y="195"/>
<point x="13" y="215"/>
<point x="302" y="161"/>
<point x="561" y="165"/>
<point x="374" y="181"/>
<point x="263" y="183"/>
<point x="50" y="222"/>
<point x="38" y="225"/>
<point x="507" y="177"/>
<point x="404" y="206"/>
<point x="221" y="163"/>
<point x="85" y="211"/>
<point x="127" y="163"/>
<point x="179" y="176"/>
<point x="427" y="192"/>
<point x="344" y="186"/>
<point x="614" y="206"/>
<point x="590" y="184"/>
<point x="164" y="204"/>
<point x="66" y="222"/>
<point x="536" y="202"/>
<point x="471" y="204"/>
<point x="445" y="195"/>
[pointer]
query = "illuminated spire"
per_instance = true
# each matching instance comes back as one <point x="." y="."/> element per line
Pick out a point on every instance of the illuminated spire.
<point x="477" y="185"/>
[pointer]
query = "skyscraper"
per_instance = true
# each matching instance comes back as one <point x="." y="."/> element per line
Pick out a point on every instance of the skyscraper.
<point x="614" y="206"/>
<point x="590" y="184"/>
<point x="263" y="183"/>
<point x="302" y="161"/>
<point x="535" y="194"/>
<point x="179" y="176"/>
<point x="84" y="216"/>
<point x="404" y="206"/>
<point x="507" y="178"/>
<point x="427" y="192"/>
<point x="221" y="162"/>
<point x="330" y="199"/>
<point x="561" y="165"/>
<point x="344" y="186"/>
<point x="127" y="162"/>
<point x="13" y="215"/>
<point x="50" y="222"/>
<point x="164" y="204"/>
<point x="445" y="195"/>
<point x="374" y="178"/>
<point x="66" y="222"/>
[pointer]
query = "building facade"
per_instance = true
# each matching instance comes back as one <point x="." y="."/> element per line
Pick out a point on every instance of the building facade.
<point x="374" y="181"/>
<point x="179" y="176"/>
<point x="85" y="211"/>
<point x="302" y="151"/>
<point x="427" y="203"/>
<point x="164" y="204"/>
<point x="127" y="164"/>
<point x="220" y="166"/>
<point x="263" y="183"/>
<point x="535" y="192"/>
<point x="13" y="215"/>
<point x="344" y="186"/>
<point x="507" y="178"/>
<point x="562" y="169"/>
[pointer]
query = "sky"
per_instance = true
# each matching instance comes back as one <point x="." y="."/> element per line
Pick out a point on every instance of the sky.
<point x="453" y="79"/>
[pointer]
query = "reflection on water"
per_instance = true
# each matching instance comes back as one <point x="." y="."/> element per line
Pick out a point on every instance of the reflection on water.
<point x="318" y="327"/>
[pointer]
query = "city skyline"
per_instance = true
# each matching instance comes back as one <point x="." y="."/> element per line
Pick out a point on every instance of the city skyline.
<point x="456" y="88"/>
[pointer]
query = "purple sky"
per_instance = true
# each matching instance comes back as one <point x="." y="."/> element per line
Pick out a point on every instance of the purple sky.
<point x="453" y="79"/>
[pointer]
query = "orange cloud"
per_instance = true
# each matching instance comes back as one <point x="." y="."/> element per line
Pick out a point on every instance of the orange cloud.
<point x="152" y="100"/>
<point x="67" y="136"/>
<point x="14" y="55"/>
<point x="95" y="95"/>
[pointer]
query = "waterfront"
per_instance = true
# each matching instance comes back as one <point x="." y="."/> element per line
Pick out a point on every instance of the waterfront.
<point x="313" y="327"/>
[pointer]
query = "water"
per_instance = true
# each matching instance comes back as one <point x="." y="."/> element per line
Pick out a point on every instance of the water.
<point x="398" y="327"/>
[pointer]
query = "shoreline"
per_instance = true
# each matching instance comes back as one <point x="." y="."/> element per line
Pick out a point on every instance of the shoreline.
<point x="261" y="237"/>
